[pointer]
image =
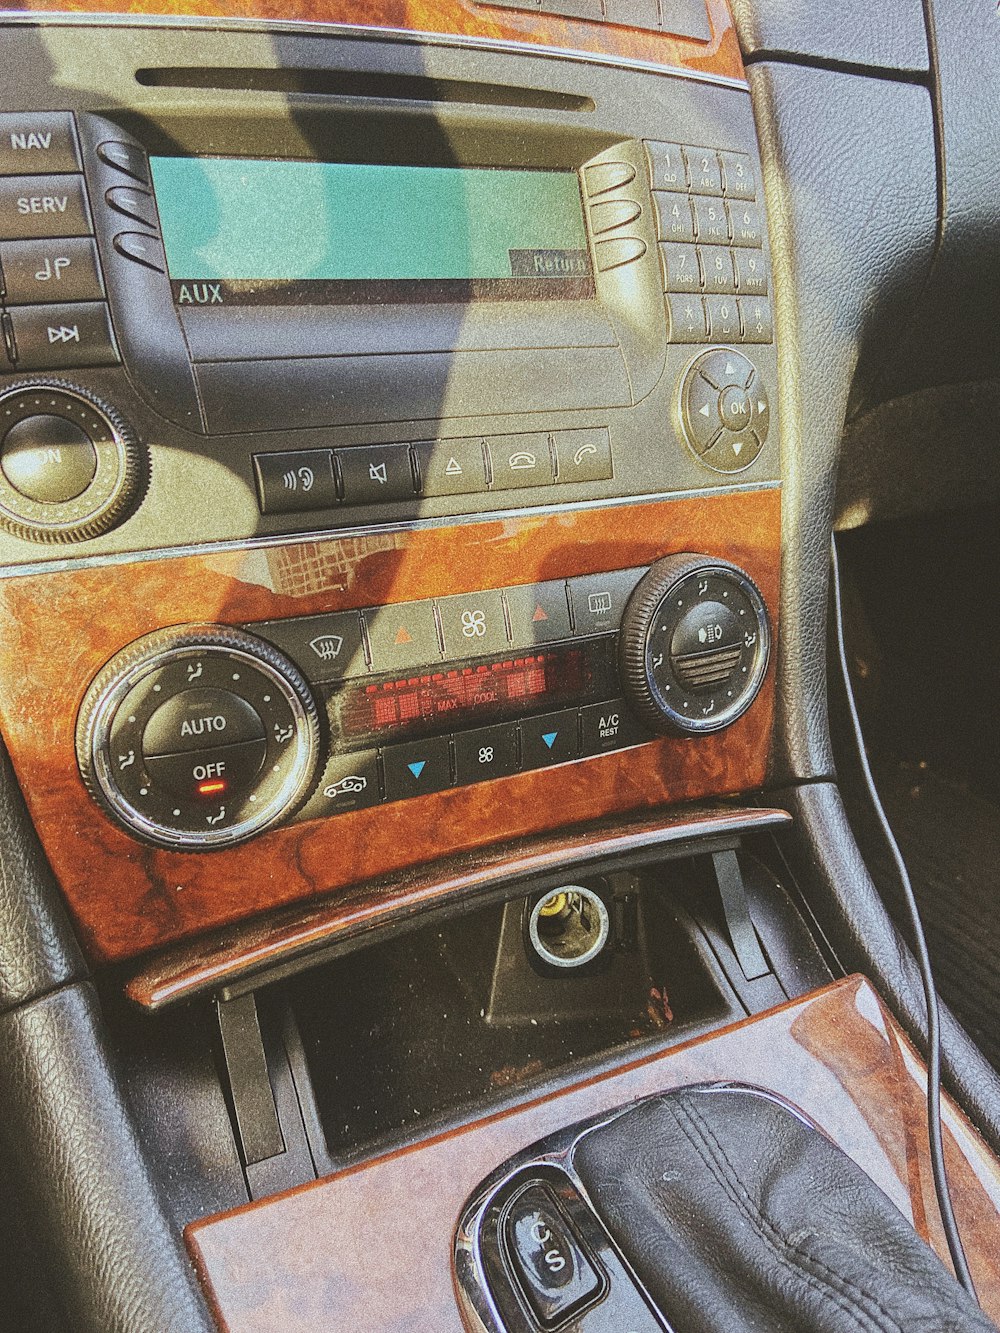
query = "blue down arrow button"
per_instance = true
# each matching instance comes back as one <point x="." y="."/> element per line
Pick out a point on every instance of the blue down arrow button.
<point x="551" y="739"/>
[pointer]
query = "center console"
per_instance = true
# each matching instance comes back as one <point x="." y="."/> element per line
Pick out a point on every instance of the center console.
<point x="405" y="634"/>
<point x="377" y="442"/>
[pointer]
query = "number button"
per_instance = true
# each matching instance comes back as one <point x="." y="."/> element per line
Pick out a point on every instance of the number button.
<point x="751" y="273"/>
<point x="717" y="271"/>
<point x="746" y="224"/>
<point x="711" y="222"/>
<point x="703" y="172"/>
<point x="674" y="218"/>
<point x="666" y="166"/>
<point x="739" y="177"/>
<point x="680" y="268"/>
<point x="723" y="318"/>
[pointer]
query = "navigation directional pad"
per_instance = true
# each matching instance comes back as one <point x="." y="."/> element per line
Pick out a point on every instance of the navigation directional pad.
<point x="724" y="410"/>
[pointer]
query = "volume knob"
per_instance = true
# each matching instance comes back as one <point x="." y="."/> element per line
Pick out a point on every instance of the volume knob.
<point x="694" y="647"/>
<point x="70" y="468"/>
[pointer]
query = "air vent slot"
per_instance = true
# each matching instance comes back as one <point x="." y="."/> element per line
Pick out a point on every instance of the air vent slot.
<point x="355" y="85"/>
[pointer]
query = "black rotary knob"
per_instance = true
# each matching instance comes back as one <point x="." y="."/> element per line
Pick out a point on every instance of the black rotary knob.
<point x="70" y="468"/>
<point x="199" y="737"/>
<point x="694" y="644"/>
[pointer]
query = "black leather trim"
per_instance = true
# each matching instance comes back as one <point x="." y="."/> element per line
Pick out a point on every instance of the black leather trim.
<point x="953" y="336"/>
<point x="834" y="880"/>
<point x="738" y="1215"/>
<point x="114" y="1259"/>
<point x="38" y="950"/>
<point x="849" y="176"/>
<point x="851" y="31"/>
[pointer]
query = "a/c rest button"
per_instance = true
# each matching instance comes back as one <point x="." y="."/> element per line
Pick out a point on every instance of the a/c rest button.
<point x="48" y="459"/>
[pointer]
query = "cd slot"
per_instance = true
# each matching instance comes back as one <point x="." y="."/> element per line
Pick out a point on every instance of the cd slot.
<point x="358" y="84"/>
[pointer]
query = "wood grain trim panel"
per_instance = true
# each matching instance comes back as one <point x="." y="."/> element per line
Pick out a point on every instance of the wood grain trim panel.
<point x="720" y="57"/>
<point x="58" y="628"/>
<point x="837" y="1054"/>
<point x="236" y="957"/>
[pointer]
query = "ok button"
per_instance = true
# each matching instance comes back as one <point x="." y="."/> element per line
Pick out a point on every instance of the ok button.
<point x="735" y="407"/>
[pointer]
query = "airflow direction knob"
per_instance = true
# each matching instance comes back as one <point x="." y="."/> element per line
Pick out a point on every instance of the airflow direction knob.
<point x="694" y="645"/>
<point x="199" y="737"/>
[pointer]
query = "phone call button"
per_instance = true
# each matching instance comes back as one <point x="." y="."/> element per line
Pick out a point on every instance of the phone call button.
<point x="583" y="455"/>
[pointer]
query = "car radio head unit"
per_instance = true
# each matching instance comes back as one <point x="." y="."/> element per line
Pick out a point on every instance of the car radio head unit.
<point x="378" y="282"/>
<point x="239" y="231"/>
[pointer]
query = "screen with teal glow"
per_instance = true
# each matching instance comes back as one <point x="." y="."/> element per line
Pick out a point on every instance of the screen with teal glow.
<point x="239" y="231"/>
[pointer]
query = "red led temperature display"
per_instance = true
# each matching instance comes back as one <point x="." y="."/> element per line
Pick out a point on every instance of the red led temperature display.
<point x="462" y="696"/>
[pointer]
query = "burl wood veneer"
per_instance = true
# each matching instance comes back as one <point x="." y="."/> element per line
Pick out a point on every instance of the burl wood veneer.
<point x="370" y="1249"/>
<point x="464" y="18"/>
<point x="238" y="956"/>
<point x="57" y="628"/>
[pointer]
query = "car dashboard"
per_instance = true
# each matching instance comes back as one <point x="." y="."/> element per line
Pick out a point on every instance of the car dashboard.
<point x="421" y="434"/>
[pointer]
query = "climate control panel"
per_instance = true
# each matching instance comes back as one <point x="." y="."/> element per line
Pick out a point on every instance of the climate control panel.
<point x="205" y="736"/>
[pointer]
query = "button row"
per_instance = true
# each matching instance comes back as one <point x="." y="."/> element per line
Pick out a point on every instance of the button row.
<point x="313" y="479"/>
<point x="689" y="268"/>
<point x="695" y="319"/>
<point x="345" y="644"/>
<point x="708" y="221"/>
<point x="418" y="768"/>
<point x="683" y="18"/>
<point x="704" y="171"/>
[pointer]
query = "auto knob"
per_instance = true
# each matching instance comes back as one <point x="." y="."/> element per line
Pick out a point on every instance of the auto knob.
<point x="70" y="466"/>
<point x="694" y="644"/>
<point x="199" y="737"/>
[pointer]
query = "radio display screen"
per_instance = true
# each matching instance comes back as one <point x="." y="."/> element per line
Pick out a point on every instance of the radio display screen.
<point x="471" y="695"/>
<point x="238" y="231"/>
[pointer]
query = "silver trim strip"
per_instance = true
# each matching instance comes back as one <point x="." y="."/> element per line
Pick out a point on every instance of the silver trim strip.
<point x="352" y="32"/>
<point x="208" y="548"/>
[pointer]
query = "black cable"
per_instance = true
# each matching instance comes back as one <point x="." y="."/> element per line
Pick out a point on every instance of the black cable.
<point x="934" y="1131"/>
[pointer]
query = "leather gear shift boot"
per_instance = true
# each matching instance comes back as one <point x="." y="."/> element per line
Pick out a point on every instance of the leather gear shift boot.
<point x="738" y="1216"/>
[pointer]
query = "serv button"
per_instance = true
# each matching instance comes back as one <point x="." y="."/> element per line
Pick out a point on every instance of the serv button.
<point x="33" y="206"/>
